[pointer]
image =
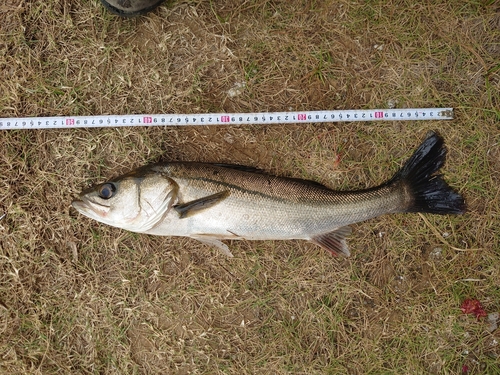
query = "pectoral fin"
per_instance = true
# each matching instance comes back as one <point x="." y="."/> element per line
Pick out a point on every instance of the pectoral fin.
<point x="193" y="207"/>
<point x="334" y="241"/>
<point x="214" y="242"/>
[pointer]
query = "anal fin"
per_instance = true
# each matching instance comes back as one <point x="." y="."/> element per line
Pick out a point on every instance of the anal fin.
<point x="334" y="241"/>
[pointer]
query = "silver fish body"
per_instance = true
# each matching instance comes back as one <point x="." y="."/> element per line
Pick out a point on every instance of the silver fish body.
<point x="213" y="202"/>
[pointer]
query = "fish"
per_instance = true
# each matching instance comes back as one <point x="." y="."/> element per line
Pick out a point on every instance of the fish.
<point x="212" y="202"/>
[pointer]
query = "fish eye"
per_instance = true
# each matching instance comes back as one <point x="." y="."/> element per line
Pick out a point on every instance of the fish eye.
<point x="107" y="190"/>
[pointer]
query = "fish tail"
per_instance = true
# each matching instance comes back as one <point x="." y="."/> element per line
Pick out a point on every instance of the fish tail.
<point x="428" y="191"/>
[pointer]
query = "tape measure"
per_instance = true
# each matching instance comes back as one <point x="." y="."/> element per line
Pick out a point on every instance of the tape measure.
<point x="197" y="119"/>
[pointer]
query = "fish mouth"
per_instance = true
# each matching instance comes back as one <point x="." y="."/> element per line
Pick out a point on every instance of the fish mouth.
<point x="79" y="205"/>
<point x="89" y="208"/>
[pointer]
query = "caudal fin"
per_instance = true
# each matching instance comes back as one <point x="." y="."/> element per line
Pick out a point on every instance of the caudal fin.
<point x="430" y="193"/>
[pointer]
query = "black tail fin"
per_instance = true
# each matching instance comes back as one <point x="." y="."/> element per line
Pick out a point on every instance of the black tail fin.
<point x="430" y="192"/>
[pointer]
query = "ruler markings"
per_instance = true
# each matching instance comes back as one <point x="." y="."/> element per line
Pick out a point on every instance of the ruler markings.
<point x="197" y="119"/>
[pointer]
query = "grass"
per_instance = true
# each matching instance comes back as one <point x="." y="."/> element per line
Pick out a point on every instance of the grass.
<point x="80" y="297"/>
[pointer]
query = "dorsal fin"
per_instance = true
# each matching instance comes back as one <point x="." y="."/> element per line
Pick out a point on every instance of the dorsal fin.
<point x="308" y="182"/>
<point x="244" y="168"/>
<point x="239" y="167"/>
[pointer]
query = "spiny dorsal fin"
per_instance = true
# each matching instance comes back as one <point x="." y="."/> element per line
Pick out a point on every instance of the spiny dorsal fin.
<point x="239" y="167"/>
<point x="334" y="241"/>
<point x="244" y="168"/>
<point x="193" y="207"/>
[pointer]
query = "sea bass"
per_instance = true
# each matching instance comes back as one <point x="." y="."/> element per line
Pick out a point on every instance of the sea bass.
<point x="214" y="202"/>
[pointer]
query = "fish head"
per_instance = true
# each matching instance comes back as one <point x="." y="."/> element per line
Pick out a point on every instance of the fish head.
<point x="136" y="201"/>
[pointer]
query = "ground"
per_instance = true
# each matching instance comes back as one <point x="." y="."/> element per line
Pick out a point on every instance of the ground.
<point x="79" y="297"/>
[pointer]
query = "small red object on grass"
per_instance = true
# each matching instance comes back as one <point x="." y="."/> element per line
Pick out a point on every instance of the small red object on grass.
<point x="473" y="306"/>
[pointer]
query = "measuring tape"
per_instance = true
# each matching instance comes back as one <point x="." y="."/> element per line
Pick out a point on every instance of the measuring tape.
<point x="196" y="119"/>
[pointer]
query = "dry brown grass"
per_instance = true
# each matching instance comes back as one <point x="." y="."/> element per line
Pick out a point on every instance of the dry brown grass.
<point x="79" y="297"/>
